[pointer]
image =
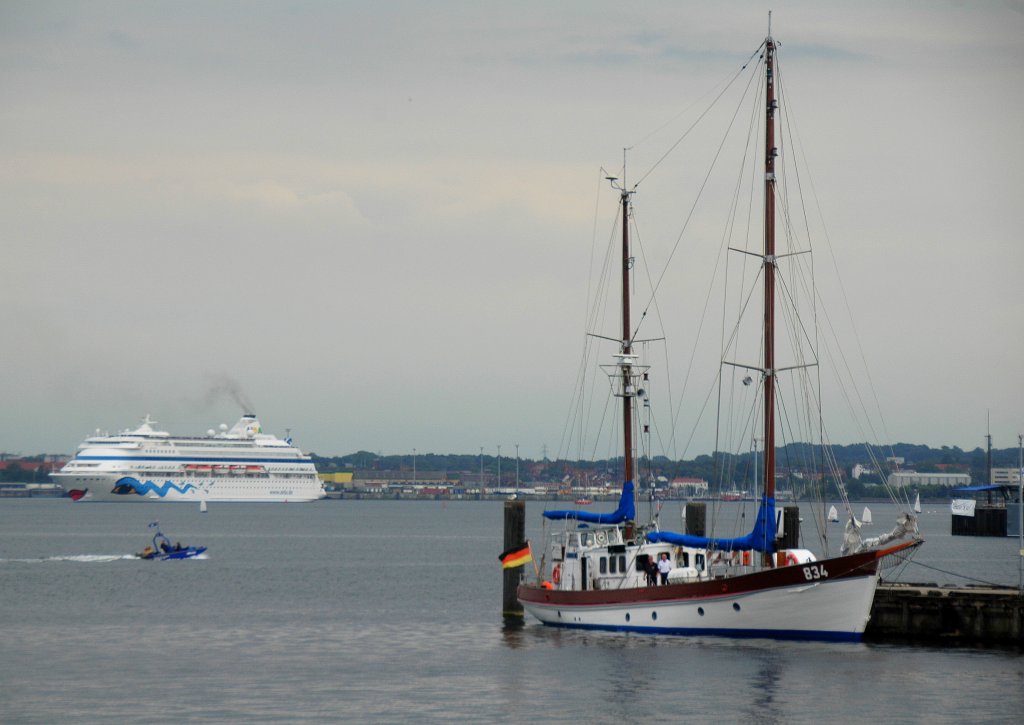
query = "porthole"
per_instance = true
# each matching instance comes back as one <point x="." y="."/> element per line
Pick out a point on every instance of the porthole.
<point x="700" y="611"/>
<point x="735" y="607"/>
<point x="654" y="616"/>
<point x="627" y="616"/>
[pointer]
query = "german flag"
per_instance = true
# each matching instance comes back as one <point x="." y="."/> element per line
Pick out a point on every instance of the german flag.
<point x="516" y="556"/>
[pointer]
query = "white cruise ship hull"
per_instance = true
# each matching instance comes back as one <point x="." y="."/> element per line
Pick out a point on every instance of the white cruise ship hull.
<point x="240" y="490"/>
<point x="237" y="464"/>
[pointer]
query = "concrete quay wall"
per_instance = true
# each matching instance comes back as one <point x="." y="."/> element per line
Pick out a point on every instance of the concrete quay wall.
<point x="982" y="615"/>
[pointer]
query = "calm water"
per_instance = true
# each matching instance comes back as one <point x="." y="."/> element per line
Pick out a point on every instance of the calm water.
<point x="373" y="611"/>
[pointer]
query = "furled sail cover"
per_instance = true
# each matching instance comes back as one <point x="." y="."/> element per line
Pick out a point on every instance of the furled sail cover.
<point x="762" y="538"/>
<point x="625" y="512"/>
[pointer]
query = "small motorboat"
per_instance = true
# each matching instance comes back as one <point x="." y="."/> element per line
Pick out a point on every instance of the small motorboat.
<point x="164" y="550"/>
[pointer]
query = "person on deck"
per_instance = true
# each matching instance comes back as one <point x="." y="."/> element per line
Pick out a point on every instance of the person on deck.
<point x="651" y="570"/>
<point x="664" y="567"/>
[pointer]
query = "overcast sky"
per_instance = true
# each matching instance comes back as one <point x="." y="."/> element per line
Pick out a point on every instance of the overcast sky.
<point x="374" y="218"/>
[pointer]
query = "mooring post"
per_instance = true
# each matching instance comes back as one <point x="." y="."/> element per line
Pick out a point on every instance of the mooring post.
<point x="790" y="527"/>
<point x="696" y="518"/>
<point x="515" y="534"/>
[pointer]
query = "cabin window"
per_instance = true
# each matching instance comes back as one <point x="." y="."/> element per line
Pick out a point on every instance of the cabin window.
<point x="684" y="559"/>
<point x="699" y="562"/>
<point x="604" y="565"/>
<point x="622" y="563"/>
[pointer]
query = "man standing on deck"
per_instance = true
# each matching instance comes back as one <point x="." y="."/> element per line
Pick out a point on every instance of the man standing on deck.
<point x="664" y="567"/>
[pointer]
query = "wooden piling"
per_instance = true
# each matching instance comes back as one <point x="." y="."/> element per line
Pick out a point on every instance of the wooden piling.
<point x="515" y="534"/>
<point x="696" y="518"/>
<point x="790" y="528"/>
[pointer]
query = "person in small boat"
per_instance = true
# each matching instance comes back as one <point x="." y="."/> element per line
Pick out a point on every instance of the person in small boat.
<point x="651" y="570"/>
<point x="165" y="546"/>
<point x="664" y="567"/>
<point x="148" y="553"/>
<point x="177" y="546"/>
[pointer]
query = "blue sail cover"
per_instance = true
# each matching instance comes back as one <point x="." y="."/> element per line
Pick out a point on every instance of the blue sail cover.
<point x="625" y="512"/>
<point x="762" y="538"/>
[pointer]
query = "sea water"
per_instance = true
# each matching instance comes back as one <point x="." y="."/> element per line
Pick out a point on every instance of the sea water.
<point x="389" y="612"/>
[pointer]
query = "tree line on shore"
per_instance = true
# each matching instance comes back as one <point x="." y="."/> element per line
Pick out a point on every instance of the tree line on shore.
<point x="791" y="462"/>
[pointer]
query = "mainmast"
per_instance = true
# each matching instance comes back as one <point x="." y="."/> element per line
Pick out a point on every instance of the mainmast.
<point x="626" y="358"/>
<point x="769" y="275"/>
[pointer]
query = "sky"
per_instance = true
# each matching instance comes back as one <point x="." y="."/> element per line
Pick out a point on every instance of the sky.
<point x="371" y="223"/>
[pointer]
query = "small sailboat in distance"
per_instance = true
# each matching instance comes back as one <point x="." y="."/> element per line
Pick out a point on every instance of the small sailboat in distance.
<point x="833" y="515"/>
<point x="917" y="503"/>
<point x="865" y="517"/>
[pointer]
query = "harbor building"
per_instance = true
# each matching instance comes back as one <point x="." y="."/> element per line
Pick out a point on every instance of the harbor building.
<point x="1005" y="476"/>
<point x="904" y="479"/>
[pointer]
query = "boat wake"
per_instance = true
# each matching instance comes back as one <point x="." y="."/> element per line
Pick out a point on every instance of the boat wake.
<point x="85" y="558"/>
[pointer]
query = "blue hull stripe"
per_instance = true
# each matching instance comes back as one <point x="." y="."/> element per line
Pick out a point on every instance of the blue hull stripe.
<point x="190" y="459"/>
<point x="788" y="634"/>
<point x="162" y="490"/>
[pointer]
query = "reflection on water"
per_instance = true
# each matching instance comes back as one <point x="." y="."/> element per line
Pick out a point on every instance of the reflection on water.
<point x="764" y="685"/>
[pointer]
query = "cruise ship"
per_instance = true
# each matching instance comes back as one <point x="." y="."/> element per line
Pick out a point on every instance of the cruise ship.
<point x="146" y="464"/>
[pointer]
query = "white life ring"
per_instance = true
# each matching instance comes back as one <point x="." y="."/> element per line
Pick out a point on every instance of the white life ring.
<point x="601" y="538"/>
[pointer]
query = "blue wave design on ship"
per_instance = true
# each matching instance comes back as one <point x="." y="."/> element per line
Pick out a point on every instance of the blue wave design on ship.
<point x="143" y="488"/>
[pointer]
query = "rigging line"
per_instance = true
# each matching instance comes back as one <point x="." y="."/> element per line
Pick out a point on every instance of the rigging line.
<point x="600" y="430"/>
<point x="850" y="378"/>
<point x="717" y="381"/>
<point x="752" y="136"/>
<point x="728" y="232"/>
<point x="725" y="348"/>
<point x="700" y="191"/>
<point x="722" y="254"/>
<point x="842" y="288"/>
<point x="813" y="392"/>
<point x="815" y="294"/>
<point x="600" y="305"/>
<point x="661" y="321"/>
<point x="576" y="403"/>
<point x="953" y="573"/>
<point x="796" y="327"/>
<point x="694" y="124"/>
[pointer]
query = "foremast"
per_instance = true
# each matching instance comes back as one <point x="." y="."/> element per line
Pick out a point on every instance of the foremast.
<point x="626" y="357"/>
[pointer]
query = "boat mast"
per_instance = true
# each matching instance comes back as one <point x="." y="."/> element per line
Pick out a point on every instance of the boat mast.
<point x="627" y="385"/>
<point x="769" y="277"/>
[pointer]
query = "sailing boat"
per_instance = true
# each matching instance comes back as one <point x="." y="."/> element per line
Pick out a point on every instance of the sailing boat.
<point x="917" y="503"/>
<point x="865" y="518"/>
<point x="833" y="515"/>
<point x="596" y="573"/>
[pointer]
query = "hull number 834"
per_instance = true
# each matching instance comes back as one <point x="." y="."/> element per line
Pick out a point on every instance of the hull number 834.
<point x="815" y="571"/>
